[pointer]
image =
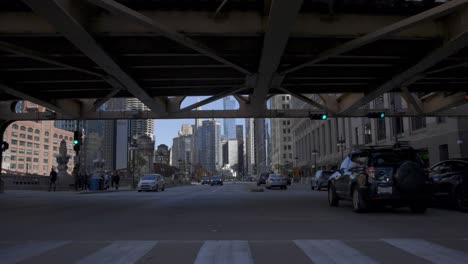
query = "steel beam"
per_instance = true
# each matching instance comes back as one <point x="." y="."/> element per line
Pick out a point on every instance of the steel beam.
<point x="212" y="99"/>
<point x="458" y="42"/>
<point x="49" y="105"/>
<point x="441" y="103"/>
<point x="123" y="11"/>
<point x="281" y="20"/>
<point x="430" y="14"/>
<point x="413" y="101"/>
<point x="307" y="100"/>
<point x="69" y="26"/>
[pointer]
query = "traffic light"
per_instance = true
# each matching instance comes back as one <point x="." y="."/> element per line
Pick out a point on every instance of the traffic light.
<point x="76" y="141"/>
<point x="376" y="115"/>
<point x="4" y="146"/>
<point x="318" y="117"/>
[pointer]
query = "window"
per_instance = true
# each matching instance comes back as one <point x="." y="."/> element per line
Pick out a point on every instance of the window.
<point x="30" y="130"/>
<point x="20" y="166"/>
<point x="418" y="123"/>
<point x="46" y="160"/>
<point x="55" y="148"/>
<point x="60" y="137"/>
<point x="284" y="139"/>
<point x="55" y="135"/>
<point x="13" y="158"/>
<point x="14" y="134"/>
<point x="289" y="130"/>
<point x="14" y="142"/>
<point x="55" y="142"/>
<point x="23" y="128"/>
<point x="36" y="139"/>
<point x="36" y="153"/>
<point x="36" y="145"/>
<point x="284" y="130"/>
<point x="29" y="145"/>
<point x="46" y="146"/>
<point x="13" y="166"/>
<point x="283" y="97"/>
<point x="21" y="151"/>
<point x="46" y="133"/>
<point x="290" y="155"/>
<point x="367" y="133"/>
<point x="457" y="166"/>
<point x="289" y="139"/>
<point x="37" y="131"/>
<point x="22" y="143"/>
<point x="28" y="152"/>
<point x="289" y="147"/>
<point x="22" y="135"/>
<point x="20" y="159"/>
<point x="46" y="153"/>
<point x="284" y="155"/>
<point x="28" y="159"/>
<point x="66" y="138"/>
<point x="30" y="137"/>
<point x="289" y="122"/>
<point x="15" y="126"/>
<point x="35" y="167"/>
<point x="44" y="168"/>
<point x="13" y="150"/>
<point x="46" y="140"/>
<point x="285" y="147"/>
<point x="35" y="160"/>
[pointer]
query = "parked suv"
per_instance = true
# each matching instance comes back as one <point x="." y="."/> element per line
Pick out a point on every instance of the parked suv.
<point x="381" y="175"/>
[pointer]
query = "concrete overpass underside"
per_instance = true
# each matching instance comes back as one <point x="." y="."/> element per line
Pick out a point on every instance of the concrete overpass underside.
<point x="71" y="56"/>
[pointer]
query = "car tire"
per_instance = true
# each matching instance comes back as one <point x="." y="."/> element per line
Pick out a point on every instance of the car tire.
<point x="312" y="187"/>
<point x="418" y="207"/>
<point x="139" y="190"/>
<point x="461" y="199"/>
<point x="285" y="187"/>
<point x="163" y="188"/>
<point x="333" y="199"/>
<point x="410" y="178"/>
<point x="359" y="202"/>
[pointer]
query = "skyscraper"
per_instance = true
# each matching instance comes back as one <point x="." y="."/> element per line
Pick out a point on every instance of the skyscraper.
<point x="240" y="147"/>
<point x="250" y="166"/>
<point x="209" y="145"/>
<point x="229" y="123"/>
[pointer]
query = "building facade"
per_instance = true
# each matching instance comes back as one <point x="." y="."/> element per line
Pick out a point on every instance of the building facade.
<point x="249" y="166"/>
<point x="240" y="147"/>
<point x="282" y="157"/>
<point x="229" y="124"/>
<point x="209" y="145"/>
<point x="34" y="146"/>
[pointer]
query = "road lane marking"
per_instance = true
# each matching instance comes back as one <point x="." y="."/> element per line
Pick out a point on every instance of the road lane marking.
<point x="21" y="252"/>
<point x="120" y="252"/>
<point x="429" y="251"/>
<point x="222" y="252"/>
<point x="332" y="252"/>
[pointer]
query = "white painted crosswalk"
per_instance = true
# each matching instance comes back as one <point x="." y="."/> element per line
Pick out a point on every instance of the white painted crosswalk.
<point x="236" y="251"/>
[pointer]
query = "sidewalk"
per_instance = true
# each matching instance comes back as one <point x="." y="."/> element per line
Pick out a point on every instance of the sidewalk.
<point x="121" y="189"/>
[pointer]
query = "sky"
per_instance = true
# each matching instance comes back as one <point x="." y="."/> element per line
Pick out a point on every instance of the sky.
<point x="166" y="129"/>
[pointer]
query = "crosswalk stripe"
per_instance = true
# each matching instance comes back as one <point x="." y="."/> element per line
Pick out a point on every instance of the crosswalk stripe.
<point x="332" y="251"/>
<point x="224" y="252"/>
<point x="429" y="251"/>
<point x="21" y="252"/>
<point x="120" y="252"/>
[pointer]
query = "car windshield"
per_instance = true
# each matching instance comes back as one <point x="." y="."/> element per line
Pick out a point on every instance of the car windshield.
<point x="394" y="157"/>
<point x="325" y="174"/>
<point x="276" y="177"/>
<point x="148" y="177"/>
<point x="216" y="178"/>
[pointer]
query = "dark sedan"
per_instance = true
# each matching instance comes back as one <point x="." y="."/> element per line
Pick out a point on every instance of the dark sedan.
<point x="450" y="182"/>
<point x="216" y="180"/>
<point x="320" y="180"/>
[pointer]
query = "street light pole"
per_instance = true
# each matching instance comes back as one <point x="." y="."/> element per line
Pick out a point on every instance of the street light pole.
<point x="341" y="144"/>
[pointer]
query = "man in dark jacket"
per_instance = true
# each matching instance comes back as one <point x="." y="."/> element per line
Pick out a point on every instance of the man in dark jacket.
<point x="116" y="180"/>
<point x="53" y="179"/>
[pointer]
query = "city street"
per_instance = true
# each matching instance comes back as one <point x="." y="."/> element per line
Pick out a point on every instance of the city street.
<point x="220" y="224"/>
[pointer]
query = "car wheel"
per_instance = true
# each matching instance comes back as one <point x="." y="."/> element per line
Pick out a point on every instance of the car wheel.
<point x="461" y="199"/>
<point x="312" y="187"/>
<point x="139" y="190"/>
<point x="418" y="207"/>
<point x="285" y="187"/>
<point x="359" y="204"/>
<point x="163" y="188"/>
<point x="332" y="197"/>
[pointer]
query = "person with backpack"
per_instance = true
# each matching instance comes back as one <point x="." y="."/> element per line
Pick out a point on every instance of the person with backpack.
<point x="53" y="180"/>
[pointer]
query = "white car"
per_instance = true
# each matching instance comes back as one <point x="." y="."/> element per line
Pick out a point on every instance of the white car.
<point x="151" y="182"/>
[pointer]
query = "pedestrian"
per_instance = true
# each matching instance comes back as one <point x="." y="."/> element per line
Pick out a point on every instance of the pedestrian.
<point x="116" y="180"/>
<point x="106" y="180"/>
<point x="53" y="179"/>
<point x="85" y="181"/>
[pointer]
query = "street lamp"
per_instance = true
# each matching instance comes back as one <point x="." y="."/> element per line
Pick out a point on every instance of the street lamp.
<point x="341" y="144"/>
<point x="133" y="147"/>
<point x="315" y="153"/>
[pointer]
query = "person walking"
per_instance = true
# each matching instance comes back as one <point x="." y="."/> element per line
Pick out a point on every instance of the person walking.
<point x="116" y="180"/>
<point x="53" y="180"/>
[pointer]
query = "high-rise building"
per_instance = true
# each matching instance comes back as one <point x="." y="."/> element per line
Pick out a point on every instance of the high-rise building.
<point x="181" y="151"/>
<point x="229" y="124"/>
<point x="261" y="147"/>
<point x="240" y="147"/>
<point x="209" y="145"/>
<point x="281" y="137"/>
<point x="250" y="166"/>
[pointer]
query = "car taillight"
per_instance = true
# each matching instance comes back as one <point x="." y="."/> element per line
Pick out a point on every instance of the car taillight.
<point x="370" y="172"/>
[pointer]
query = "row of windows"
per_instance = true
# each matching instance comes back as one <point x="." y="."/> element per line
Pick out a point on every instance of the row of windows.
<point x="285" y="97"/>
<point x="286" y="139"/>
<point x="30" y="145"/>
<point x="29" y="159"/>
<point x="287" y="147"/>
<point x="286" y="122"/>
<point x="285" y="156"/>
<point x="22" y="167"/>
<point x="286" y="130"/>
<point x="37" y="131"/>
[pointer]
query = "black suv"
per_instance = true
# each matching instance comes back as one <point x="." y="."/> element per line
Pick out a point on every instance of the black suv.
<point x="381" y="175"/>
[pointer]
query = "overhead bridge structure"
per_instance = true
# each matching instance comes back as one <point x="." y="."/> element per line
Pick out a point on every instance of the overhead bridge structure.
<point x="72" y="56"/>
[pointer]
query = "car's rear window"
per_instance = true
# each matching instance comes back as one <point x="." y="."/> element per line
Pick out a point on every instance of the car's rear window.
<point x="326" y="174"/>
<point x="394" y="157"/>
<point x="276" y="177"/>
<point x="216" y="178"/>
<point x="148" y="177"/>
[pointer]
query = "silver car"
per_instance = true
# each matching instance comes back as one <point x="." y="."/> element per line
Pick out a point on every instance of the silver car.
<point x="151" y="182"/>
<point x="276" y="180"/>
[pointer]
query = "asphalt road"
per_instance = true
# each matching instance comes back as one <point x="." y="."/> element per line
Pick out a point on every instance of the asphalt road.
<point x="220" y="224"/>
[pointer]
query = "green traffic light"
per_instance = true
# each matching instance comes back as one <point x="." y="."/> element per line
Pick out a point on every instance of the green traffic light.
<point x="382" y="115"/>
<point x="324" y="117"/>
<point x="75" y="141"/>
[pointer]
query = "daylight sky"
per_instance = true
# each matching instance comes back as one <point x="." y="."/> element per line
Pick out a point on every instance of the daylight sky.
<point x="166" y="129"/>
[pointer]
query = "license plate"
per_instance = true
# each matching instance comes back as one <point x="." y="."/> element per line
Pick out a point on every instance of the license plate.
<point x="384" y="190"/>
